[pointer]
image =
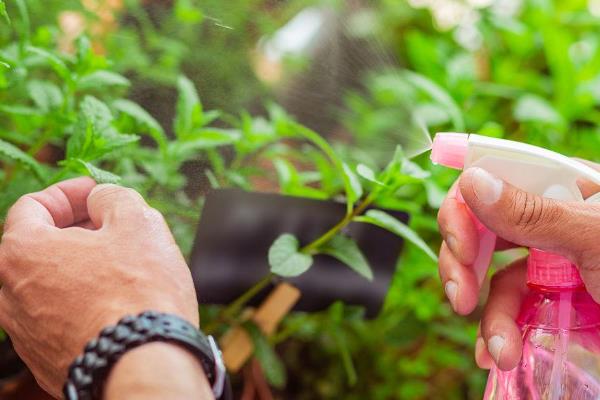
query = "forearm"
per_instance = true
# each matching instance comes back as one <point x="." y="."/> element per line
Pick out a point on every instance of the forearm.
<point x="158" y="371"/>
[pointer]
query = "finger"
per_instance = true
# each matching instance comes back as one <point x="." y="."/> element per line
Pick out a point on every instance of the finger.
<point x="6" y="321"/>
<point x="60" y="205"/>
<point x="457" y="228"/>
<point x="460" y="282"/>
<point x="498" y="327"/>
<point x="483" y="359"/>
<point x="459" y="231"/>
<point x="530" y="220"/>
<point x="87" y="224"/>
<point x="110" y="204"/>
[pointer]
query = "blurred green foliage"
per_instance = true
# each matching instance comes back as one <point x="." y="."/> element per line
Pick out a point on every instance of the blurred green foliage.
<point x="525" y="70"/>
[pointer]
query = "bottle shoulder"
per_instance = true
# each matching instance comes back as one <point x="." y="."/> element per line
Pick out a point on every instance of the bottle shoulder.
<point x="574" y="309"/>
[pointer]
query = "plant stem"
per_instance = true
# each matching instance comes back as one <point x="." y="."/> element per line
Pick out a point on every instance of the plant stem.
<point x="326" y="237"/>
<point x="247" y="296"/>
<point x="238" y="303"/>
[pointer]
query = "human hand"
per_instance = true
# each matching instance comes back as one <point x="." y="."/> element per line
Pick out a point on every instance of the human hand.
<point x="74" y="259"/>
<point x="519" y="218"/>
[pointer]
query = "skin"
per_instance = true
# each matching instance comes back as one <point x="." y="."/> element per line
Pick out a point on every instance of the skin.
<point x="520" y="219"/>
<point x="76" y="258"/>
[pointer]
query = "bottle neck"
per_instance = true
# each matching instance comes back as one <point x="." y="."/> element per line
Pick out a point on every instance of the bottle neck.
<point x="552" y="271"/>
<point x="555" y="289"/>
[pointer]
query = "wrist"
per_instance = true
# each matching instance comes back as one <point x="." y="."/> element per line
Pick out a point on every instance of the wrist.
<point x="90" y="371"/>
<point x="157" y="371"/>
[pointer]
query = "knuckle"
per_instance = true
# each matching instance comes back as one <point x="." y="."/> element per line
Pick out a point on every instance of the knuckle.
<point x="488" y="322"/>
<point x="14" y="246"/>
<point x="116" y="192"/>
<point x="529" y="210"/>
<point x="153" y="214"/>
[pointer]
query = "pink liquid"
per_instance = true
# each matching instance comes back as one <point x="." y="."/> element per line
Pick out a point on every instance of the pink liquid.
<point x="561" y="351"/>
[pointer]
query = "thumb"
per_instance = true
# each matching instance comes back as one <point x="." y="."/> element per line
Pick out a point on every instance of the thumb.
<point x="112" y="204"/>
<point x="570" y="229"/>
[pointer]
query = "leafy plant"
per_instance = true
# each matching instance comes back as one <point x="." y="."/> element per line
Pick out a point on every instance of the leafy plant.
<point x="530" y="73"/>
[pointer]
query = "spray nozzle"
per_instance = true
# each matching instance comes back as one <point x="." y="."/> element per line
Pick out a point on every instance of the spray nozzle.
<point x="450" y="149"/>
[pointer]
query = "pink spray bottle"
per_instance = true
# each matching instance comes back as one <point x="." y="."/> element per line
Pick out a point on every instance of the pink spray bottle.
<point x="559" y="320"/>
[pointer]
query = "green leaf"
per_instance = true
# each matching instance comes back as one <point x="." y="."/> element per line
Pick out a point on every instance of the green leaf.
<point x="386" y="221"/>
<point x="270" y="363"/>
<point x="212" y="179"/>
<point x="356" y="191"/>
<point x="439" y="94"/>
<point x="101" y="78"/>
<point x="144" y="118"/>
<point x="19" y="110"/>
<point x="285" y="259"/>
<point x="189" y="108"/>
<point x="12" y="152"/>
<point x="214" y="137"/>
<point x="99" y="175"/>
<point x="531" y="108"/>
<point x="53" y="61"/>
<point x="94" y="135"/>
<point x="205" y="139"/>
<point x="3" y="12"/>
<point x="435" y="194"/>
<point x="186" y="12"/>
<point x="286" y="173"/>
<point x="44" y="94"/>
<point x="347" y="251"/>
<point x="322" y="144"/>
<point x="85" y="52"/>
<point x="368" y="174"/>
<point x="413" y="170"/>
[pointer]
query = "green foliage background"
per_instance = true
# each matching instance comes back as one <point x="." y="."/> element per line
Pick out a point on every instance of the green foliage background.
<point x="532" y="75"/>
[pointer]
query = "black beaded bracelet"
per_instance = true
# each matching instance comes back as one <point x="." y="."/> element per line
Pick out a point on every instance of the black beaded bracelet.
<point x="89" y="371"/>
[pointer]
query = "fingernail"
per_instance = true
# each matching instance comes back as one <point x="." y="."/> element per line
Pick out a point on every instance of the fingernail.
<point x="487" y="187"/>
<point x="495" y="346"/>
<point x="452" y="243"/>
<point x="451" y="289"/>
<point x="479" y="345"/>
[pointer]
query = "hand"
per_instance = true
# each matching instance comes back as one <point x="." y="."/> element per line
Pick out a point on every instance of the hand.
<point x="77" y="257"/>
<point x="519" y="218"/>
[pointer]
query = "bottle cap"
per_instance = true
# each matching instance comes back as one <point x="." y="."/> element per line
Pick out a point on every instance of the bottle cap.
<point x="551" y="270"/>
<point x="450" y="149"/>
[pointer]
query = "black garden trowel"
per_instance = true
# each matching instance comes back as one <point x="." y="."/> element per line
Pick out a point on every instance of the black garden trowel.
<point x="237" y="228"/>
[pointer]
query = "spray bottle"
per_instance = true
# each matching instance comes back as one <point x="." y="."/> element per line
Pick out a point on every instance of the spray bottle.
<point x="559" y="320"/>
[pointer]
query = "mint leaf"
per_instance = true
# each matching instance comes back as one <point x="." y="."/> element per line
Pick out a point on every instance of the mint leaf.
<point x="285" y="259"/>
<point x="3" y="12"/>
<point x="98" y="174"/>
<point x="189" y="108"/>
<point x="386" y="221"/>
<point x="355" y="188"/>
<point x="44" y="94"/>
<point x="347" y="251"/>
<point x="144" y="118"/>
<point x="53" y="61"/>
<point x="94" y="135"/>
<point x="368" y="174"/>
<point x="532" y="108"/>
<point x="100" y="78"/>
<point x="272" y="366"/>
<point x="8" y="150"/>
<point x="439" y="94"/>
<point x="286" y="173"/>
